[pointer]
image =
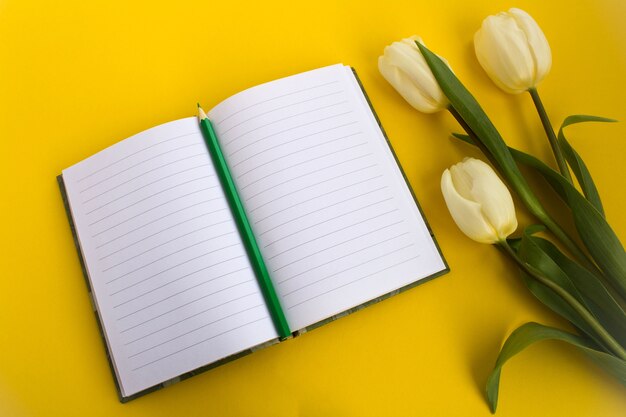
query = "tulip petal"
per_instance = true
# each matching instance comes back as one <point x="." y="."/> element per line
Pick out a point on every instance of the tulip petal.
<point x="494" y="197"/>
<point x="467" y="214"/>
<point x="404" y="67"/>
<point x="412" y="64"/>
<point x="502" y="50"/>
<point x="537" y="42"/>
<point x="403" y="85"/>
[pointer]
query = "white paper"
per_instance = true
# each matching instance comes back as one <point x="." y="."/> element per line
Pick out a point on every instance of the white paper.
<point x="171" y="278"/>
<point x="333" y="217"/>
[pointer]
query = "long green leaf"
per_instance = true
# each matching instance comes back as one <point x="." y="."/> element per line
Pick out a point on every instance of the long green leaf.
<point x="531" y="253"/>
<point x="576" y="162"/>
<point x="593" y="292"/>
<point x="599" y="238"/>
<point x="530" y="333"/>
<point x="477" y="120"/>
<point x="471" y="116"/>
<point x="594" y="230"/>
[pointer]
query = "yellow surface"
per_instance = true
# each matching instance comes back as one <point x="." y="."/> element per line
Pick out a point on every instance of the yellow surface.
<point x="77" y="76"/>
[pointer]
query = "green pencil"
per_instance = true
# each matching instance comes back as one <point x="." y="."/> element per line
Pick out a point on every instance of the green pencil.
<point x="249" y="241"/>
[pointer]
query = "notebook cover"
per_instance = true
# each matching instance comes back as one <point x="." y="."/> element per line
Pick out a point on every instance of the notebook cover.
<point x="406" y="287"/>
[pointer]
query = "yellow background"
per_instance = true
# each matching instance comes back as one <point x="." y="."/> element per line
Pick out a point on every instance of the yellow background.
<point x="77" y="76"/>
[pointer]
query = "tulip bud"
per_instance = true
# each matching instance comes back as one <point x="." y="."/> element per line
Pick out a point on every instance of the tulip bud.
<point x="513" y="51"/>
<point x="478" y="201"/>
<point x="404" y="67"/>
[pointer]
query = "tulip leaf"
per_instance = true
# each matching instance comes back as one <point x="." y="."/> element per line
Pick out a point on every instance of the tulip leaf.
<point x="594" y="230"/>
<point x="514" y="243"/>
<point x="593" y="293"/>
<point x="529" y="333"/>
<point x="462" y="137"/>
<point x="576" y="162"/>
<point x="533" y="255"/>
<point x="599" y="238"/>
<point x="474" y="118"/>
<point x="582" y="118"/>
<point x="534" y="229"/>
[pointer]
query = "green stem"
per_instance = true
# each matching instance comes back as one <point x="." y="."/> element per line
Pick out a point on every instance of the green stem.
<point x="547" y="126"/>
<point x="610" y="342"/>
<point x="528" y="198"/>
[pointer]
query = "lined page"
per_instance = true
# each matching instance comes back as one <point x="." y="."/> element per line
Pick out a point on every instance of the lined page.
<point x="335" y="220"/>
<point x="171" y="278"/>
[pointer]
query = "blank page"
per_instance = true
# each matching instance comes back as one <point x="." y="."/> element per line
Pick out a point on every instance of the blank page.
<point x="171" y="279"/>
<point x="334" y="218"/>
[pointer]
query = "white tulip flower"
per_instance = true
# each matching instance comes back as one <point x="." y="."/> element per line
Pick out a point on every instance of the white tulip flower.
<point x="404" y="67"/>
<point x="478" y="201"/>
<point x="513" y="51"/>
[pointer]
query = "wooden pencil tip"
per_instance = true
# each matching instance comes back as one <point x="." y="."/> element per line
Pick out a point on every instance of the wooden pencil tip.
<point x="201" y="114"/>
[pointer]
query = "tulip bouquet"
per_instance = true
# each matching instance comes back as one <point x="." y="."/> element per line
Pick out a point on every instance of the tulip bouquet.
<point x="585" y="284"/>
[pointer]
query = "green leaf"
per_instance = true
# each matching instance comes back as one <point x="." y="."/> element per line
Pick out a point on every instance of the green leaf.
<point x="478" y="122"/>
<point x="473" y="119"/>
<point x="599" y="238"/>
<point x="594" y="230"/>
<point x="532" y="254"/>
<point x="464" y="138"/>
<point x="530" y="333"/>
<point x="593" y="292"/>
<point x="576" y="162"/>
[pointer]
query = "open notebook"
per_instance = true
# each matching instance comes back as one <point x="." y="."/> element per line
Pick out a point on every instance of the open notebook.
<point x="333" y="216"/>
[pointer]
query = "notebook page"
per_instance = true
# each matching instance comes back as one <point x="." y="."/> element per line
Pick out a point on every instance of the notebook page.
<point x="333" y="217"/>
<point x="170" y="276"/>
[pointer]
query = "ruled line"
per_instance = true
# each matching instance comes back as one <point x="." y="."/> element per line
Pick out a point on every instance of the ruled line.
<point x="194" y="330"/>
<point x="323" y="208"/>
<point x="301" y="163"/>
<point x="316" y="197"/>
<point x="150" y="196"/>
<point x="288" y="142"/>
<point x="189" y="317"/>
<point x="233" y="153"/>
<point x="297" y="152"/>
<point x="274" y="98"/>
<point x="189" y="303"/>
<point x="286" y="118"/>
<point x="133" y="154"/>
<point x="161" y="244"/>
<point x="309" y="173"/>
<point x="142" y="162"/>
<point x="155" y="207"/>
<point x="169" y="269"/>
<point x="311" y="186"/>
<point x="182" y="291"/>
<point x="280" y="108"/>
<point x="341" y="243"/>
<point x="154" y="221"/>
<point x="200" y="342"/>
<point x="169" y="241"/>
<point x="343" y="257"/>
<point x="150" y="222"/>
<point x="125" y="182"/>
<point x="173" y="253"/>
<point x="326" y="221"/>
<point x="339" y="230"/>
<point x="351" y="282"/>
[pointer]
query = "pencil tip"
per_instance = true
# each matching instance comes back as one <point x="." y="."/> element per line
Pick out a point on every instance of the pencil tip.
<point x="201" y="114"/>
<point x="198" y="105"/>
